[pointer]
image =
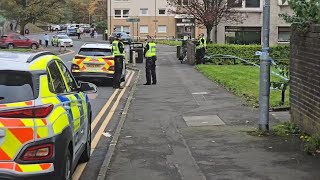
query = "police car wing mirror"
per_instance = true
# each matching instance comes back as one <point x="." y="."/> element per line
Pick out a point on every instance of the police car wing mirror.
<point x="88" y="87"/>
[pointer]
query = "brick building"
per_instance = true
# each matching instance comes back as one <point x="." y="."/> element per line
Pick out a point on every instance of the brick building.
<point x="305" y="79"/>
<point x="155" y="19"/>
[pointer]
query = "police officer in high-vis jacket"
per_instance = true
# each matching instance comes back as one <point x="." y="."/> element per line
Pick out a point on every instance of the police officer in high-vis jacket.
<point x="150" y="53"/>
<point x="118" y="53"/>
<point x="202" y="48"/>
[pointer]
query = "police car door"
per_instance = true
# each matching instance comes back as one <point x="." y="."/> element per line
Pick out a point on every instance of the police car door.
<point x="76" y="105"/>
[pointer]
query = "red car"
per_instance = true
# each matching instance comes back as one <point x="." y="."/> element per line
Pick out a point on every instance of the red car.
<point x="17" y="41"/>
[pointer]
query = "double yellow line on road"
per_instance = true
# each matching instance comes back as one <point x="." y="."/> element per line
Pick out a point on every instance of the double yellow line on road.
<point x="98" y="135"/>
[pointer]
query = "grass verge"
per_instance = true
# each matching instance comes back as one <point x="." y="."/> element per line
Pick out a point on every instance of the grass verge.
<point x="311" y="143"/>
<point x="18" y="50"/>
<point x="170" y="42"/>
<point x="242" y="81"/>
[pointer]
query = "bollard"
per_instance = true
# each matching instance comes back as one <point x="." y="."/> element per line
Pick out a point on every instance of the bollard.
<point x="134" y="58"/>
<point x="178" y="51"/>
<point x="65" y="47"/>
<point x="40" y="42"/>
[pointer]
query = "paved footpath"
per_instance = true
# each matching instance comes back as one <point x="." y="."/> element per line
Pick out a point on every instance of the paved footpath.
<point x="167" y="134"/>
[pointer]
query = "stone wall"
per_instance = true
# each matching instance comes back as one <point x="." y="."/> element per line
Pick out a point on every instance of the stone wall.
<point x="191" y="53"/>
<point x="305" y="79"/>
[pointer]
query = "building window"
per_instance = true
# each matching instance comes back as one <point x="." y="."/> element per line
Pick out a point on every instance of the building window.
<point x="284" y="34"/>
<point x="243" y="35"/>
<point x="144" y="29"/>
<point x="234" y="3"/>
<point x="122" y="29"/>
<point x="252" y="3"/>
<point x="162" y="11"/>
<point x="243" y="3"/>
<point x="117" y="13"/>
<point x="144" y="11"/>
<point x="185" y="2"/>
<point x="162" y="29"/>
<point x="121" y="13"/>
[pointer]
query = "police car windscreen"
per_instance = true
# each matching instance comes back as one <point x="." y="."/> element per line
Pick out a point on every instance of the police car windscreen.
<point x="95" y="52"/>
<point x="15" y="87"/>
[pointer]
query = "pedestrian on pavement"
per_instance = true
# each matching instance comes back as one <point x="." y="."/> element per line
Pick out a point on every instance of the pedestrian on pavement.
<point x="78" y="33"/>
<point x="46" y="39"/>
<point x="106" y="34"/>
<point x="118" y="53"/>
<point x="150" y="53"/>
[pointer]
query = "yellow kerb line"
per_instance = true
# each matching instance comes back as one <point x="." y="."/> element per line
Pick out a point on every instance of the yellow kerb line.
<point x="81" y="167"/>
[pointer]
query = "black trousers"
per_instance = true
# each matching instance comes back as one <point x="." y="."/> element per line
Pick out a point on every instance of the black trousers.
<point x="151" y="70"/>
<point x="47" y="42"/>
<point x="118" y="66"/>
<point x="200" y="56"/>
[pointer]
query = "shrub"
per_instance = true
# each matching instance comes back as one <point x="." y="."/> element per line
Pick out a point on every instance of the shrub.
<point x="277" y="53"/>
<point x="170" y="42"/>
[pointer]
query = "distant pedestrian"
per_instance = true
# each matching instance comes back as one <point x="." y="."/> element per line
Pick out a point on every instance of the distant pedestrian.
<point x="78" y="33"/>
<point x="11" y="27"/>
<point x="46" y="39"/>
<point x="150" y="53"/>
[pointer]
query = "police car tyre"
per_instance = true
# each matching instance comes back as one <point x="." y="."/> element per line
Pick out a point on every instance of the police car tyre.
<point x="85" y="157"/>
<point x="10" y="45"/>
<point x="67" y="168"/>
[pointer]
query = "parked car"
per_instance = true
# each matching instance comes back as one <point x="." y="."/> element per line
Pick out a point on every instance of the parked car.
<point x="71" y="32"/>
<point x="17" y="41"/>
<point x="62" y="40"/>
<point x="45" y="117"/>
<point x="55" y="27"/>
<point x="95" y="62"/>
<point x="126" y="38"/>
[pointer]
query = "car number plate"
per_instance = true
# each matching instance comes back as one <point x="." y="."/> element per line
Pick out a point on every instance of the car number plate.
<point x="93" y="65"/>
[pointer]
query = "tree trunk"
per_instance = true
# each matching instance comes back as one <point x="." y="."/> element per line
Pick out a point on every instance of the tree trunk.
<point x="209" y="29"/>
<point x="22" y="26"/>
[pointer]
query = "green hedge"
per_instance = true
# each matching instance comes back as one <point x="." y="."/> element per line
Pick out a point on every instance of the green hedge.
<point x="170" y="42"/>
<point x="279" y="53"/>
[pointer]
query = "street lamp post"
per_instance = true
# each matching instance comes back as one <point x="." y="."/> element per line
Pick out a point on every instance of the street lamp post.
<point x="265" y="71"/>
<point x="155" y="19"/>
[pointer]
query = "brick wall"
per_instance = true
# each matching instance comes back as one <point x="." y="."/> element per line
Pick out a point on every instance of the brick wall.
<point x="305" y="79"/>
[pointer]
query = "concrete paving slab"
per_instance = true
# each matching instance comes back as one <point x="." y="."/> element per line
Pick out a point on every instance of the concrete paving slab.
<point x="211" y="120"/>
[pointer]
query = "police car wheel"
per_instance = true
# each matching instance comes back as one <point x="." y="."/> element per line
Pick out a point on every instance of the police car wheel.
<point x="67" y="174"/>
<point x="85" y="157"/>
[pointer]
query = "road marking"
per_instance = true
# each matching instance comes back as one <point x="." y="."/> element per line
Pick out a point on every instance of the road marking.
<point x="105" y="107"/>
<point x="78" y="172"/>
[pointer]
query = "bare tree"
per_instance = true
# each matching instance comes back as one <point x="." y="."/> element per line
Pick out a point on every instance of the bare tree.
<point x="207" y="13"/>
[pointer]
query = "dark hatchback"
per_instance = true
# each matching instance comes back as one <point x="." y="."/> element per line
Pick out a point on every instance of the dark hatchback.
<point x="126" y="38"/>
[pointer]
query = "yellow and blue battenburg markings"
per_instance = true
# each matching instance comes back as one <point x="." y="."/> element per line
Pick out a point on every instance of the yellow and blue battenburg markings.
<point x="64" y="100"/>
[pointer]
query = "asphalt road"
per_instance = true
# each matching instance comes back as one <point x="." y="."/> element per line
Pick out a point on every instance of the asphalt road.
<point x="106" y="106"/>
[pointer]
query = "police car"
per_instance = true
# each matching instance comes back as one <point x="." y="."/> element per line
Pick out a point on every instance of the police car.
<point x="45" y="117"/>
<point x="95" y="62"/>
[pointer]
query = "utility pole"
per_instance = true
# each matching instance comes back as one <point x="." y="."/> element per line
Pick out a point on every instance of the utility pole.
<point x="265" y="71"/>
<point x="110" y="17"/>
<point x="155" y="19"/>
<point x="88" y="2"/>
